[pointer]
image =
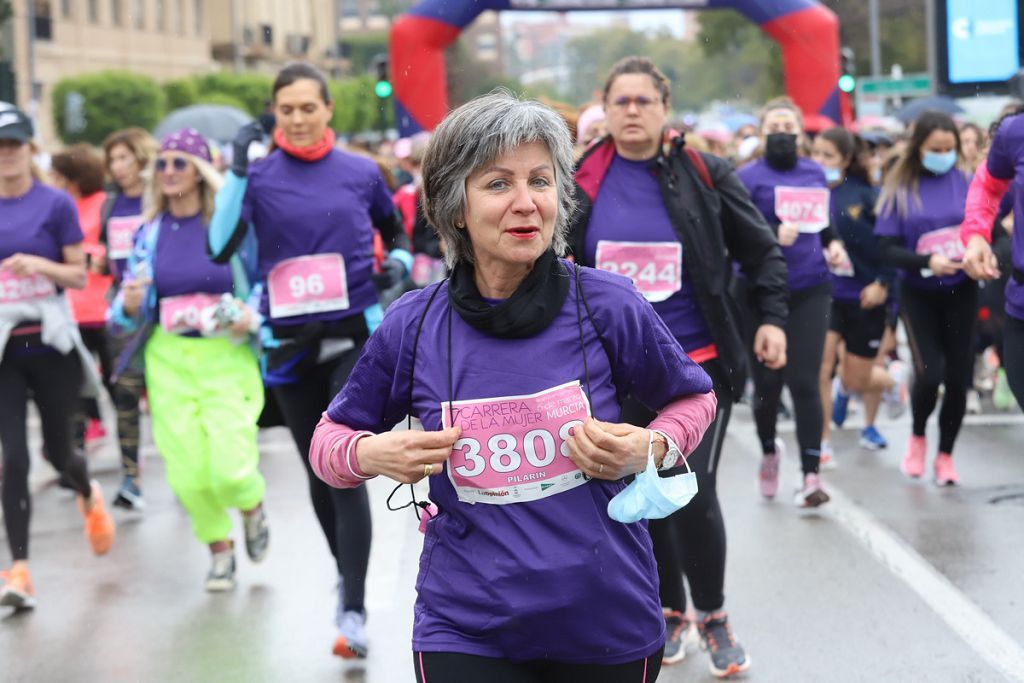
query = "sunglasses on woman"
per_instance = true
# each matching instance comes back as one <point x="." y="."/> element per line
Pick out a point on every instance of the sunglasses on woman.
<point x="178" y="163"/>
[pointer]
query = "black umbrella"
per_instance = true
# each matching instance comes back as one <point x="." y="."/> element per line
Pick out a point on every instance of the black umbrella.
<point x="216" y="122"/>
<point x="947" y="105"/>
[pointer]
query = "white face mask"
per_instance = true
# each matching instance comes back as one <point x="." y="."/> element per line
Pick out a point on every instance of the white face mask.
<point x="833" y="175"/>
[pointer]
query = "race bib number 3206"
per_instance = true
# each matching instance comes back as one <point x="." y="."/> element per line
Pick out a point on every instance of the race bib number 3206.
<point x="16" y="289"/>
<point x="513" y="448"/>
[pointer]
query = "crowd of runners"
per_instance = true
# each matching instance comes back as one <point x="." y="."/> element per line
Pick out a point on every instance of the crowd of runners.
<point x="576" y="304"/>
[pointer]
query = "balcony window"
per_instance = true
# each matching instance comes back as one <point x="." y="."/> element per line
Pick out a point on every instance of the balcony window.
<point x="94" y="11"/>
<point x="197" y="16"/>
<point x="139" y="14"/>
<point x="43" y="13"/>
<point x="116" y="16"/>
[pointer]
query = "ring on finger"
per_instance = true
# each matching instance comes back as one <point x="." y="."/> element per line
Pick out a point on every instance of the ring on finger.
<point x="428" y="469"/>
<point x="600" y="469"/>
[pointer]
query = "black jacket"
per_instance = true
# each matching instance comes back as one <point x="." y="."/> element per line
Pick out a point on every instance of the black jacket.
<point x="716" y="227"/>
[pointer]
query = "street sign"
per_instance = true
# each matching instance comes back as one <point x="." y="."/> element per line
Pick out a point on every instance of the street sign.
<point x="910" y="85"/>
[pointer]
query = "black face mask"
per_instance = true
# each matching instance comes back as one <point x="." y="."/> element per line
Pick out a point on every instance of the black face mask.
<point x="780" y="150"/>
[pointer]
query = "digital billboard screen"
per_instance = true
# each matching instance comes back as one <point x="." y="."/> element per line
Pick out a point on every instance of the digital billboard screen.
<point x="982" y="41"/>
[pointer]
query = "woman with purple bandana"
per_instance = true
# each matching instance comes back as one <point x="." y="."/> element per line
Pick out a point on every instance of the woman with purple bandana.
<point x="919" y="215"/>
<point x="516" y="367"/>
<point x="305" y="215"/>
<point x="792" y="193"/>
<point x="41" y="350"/>
<point x="193" y="327"/>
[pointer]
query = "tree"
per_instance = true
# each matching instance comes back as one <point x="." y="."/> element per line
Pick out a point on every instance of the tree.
<point x="748" y="62"/>
<point x="902" y="39"/>
<point x="89" y="108"/>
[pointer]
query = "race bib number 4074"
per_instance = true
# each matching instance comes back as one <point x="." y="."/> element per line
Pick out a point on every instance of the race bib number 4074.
<point x="513" y="448"/>
<point x="805" y="207"/>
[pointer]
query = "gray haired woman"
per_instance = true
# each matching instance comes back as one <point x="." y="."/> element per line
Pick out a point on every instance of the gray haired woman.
<point x="515" y="366"/>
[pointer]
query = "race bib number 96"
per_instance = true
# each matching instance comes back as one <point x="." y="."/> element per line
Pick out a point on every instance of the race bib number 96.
<point x="805" y="207"/>
<point x="656" y="268"/>
<point x="308" y="284"/>
<point x="15" y="289"/>
<point x="513" y="448"/>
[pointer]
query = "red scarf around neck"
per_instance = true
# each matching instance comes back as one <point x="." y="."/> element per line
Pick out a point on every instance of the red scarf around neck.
<point x="314" y="152"/>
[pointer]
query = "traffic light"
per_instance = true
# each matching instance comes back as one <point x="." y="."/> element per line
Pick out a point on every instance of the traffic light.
<point x="383" y="86"/>
<point x="848" y="77"/>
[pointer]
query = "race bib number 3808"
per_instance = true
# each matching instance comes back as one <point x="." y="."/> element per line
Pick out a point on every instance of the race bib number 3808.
<point x="513" y="448"/>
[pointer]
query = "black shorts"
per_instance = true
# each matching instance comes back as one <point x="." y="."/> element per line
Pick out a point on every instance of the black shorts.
<point x="860" y="328"/>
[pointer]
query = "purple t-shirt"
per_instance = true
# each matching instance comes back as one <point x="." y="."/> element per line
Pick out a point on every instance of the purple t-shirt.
<point x="805" y="259"/>
<point x="124" y="207"/>
<point x="40" y="222"/>
<point x="629" y="208"/>
<point x="328" y="206"/>
<point x="1005" y="160"/>
<point x="181" y="265"/>
<point x="941" y="205"/>
<point x="554" y="578"/>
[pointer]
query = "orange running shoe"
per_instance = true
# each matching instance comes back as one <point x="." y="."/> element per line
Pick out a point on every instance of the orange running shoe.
<point x="17" y="591"/>
<point x="99" y="525"/>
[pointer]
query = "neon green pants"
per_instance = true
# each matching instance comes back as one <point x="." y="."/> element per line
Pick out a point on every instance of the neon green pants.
<point x="205" y="395"/>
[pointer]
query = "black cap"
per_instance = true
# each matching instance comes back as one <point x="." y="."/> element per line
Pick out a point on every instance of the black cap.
<point x="15" y="125"/>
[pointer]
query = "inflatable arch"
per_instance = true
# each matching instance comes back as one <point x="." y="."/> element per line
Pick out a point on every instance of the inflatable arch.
<point x="807" y="31"/>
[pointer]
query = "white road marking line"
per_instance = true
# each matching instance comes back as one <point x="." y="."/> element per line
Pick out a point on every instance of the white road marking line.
<point x="960" y="613"/>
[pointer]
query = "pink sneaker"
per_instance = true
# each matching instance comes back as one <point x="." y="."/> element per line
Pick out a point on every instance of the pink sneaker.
<point x="94" y="431"/>
<point x="813" y="493"/>
<point x="945" y="473"/>
<point x="913" y="461"/>
<point x="768" y="476"/>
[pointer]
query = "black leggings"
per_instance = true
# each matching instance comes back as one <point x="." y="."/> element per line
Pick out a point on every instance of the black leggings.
<point x="450" y="667"/>
<point x="692" y="540"/>
<point x="344" y="514"/>
<point x="940" y="327"/>
<point x="1013" y="355"/>
<point x="54" y="381"/>
<point x="805" y="342"/>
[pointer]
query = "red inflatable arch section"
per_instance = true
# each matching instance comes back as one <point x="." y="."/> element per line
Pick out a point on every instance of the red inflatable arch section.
<point x="806" y="30"/>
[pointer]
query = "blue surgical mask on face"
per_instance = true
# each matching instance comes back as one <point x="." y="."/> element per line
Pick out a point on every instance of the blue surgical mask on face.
<point x="939" y="163"/>
<point x="833" y="175"/>
<point x="652" y="497"/>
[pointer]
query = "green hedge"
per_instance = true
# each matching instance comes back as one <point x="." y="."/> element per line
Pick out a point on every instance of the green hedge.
<point x="115" y="100"/>
<point x="111" y="100"/>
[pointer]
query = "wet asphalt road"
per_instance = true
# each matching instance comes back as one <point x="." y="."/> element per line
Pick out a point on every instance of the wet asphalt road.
<point x="897" y="581"/>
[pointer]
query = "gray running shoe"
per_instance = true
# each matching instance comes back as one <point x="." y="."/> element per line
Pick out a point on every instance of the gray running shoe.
<point x="679" y="632"/>
<point x="351" y="641"/>
<point x="257" y="534"/>
<point x="129" y="496"/>
<point x="222" y="572"/>
<point x="727" y="656"/>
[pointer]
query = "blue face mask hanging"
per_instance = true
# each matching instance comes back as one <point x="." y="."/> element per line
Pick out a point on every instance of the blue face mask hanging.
<point x="650" y="496"/>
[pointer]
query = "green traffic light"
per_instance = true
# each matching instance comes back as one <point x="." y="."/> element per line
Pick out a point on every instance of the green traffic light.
<point x="382" y="89"/>
<point x="847" y="83"/>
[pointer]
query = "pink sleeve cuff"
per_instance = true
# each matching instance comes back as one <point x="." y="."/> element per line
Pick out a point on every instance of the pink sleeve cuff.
<point x="685" y="420"/>
<point x="332" y="454"/>
<point x="982" y="205"/>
